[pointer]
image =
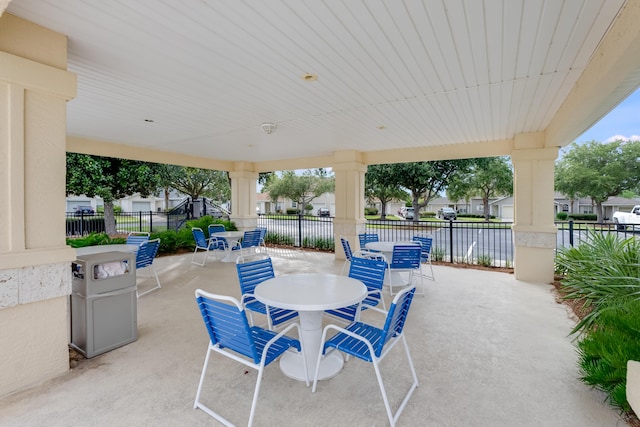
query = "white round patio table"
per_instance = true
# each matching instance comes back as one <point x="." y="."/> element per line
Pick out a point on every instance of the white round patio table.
<point x="230" y="236"/>
<point x="310" y="294"/>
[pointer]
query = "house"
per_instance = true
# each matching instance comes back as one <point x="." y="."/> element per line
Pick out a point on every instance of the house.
<point x="264" y="204"/>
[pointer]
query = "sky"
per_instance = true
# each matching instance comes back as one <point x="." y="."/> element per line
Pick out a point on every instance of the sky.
<point x="623" y="122"/>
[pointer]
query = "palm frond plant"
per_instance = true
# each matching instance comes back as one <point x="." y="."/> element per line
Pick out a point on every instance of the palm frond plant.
<point x="602" y="272"/>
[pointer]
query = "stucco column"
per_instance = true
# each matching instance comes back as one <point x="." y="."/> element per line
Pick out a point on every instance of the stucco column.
<point x="349" y="217"/>
<point x="35" y="273"/>
<point x="243" y="196"/>
<point x="534" y="232"/>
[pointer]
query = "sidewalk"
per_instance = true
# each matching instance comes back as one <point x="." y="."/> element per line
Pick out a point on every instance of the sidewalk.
<point x="488" y="350"/>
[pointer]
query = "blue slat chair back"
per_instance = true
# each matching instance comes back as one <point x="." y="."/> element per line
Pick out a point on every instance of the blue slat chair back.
<point x="406" y="257"/>
<point x="228" y="326"/>
<point x="217" y="242"/>
<point x="366" y="238"/>
<point x="371" y="272"/>
<point x="426" y="243"/>
<point x="136" y="238"/>
<point x="396" y="318"/>
<point x="263" y="234"/>
<point x="251" y="239"/>
<point x="198" y="236"/>
<point x="347" y="248"/>
<point x="252" y="273"/>
<point x="147" y="252"/>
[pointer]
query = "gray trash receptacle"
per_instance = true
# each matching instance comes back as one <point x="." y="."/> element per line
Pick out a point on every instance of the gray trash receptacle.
<point x="104" y="310"/>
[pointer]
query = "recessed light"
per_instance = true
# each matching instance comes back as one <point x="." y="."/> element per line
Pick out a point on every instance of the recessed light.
<point x="148" y="120"/>
<point x="309" y="77"/>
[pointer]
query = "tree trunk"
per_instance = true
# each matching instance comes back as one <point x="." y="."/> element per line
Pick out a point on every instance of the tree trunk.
<point x="485" y="204"/>
<point x="109" y="219"/>
<point x="600" y="212"/>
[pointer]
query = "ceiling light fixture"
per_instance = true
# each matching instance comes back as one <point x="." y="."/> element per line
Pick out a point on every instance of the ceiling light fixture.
<point x="268" y="128"/>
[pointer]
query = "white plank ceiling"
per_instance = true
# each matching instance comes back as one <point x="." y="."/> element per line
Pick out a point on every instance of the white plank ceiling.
<point x="391" y="74"/>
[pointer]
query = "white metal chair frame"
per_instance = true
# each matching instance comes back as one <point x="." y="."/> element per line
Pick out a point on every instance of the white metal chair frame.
<point x="145" y="258"/>
<point x="411" y="264"/>
<point x="265" y="356"/>
<point x="383" y="341"/>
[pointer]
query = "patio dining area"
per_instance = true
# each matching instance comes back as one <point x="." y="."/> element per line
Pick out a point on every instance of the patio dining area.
<point x="488" y="350"/>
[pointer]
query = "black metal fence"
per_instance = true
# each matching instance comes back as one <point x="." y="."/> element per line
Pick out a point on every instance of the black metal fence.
<point x="484" y="243"/>
<point x="80" y="224"/>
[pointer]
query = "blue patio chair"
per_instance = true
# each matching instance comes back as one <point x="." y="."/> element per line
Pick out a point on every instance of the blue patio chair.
<point x="231" y="336"/>
<point x="253" y="270"/>
<point x="137" y="237"/>
<point x="372" y="344"/>
<point x="405" y="259"/>
<point x="263" y="236"/>
<point x="251" y="239"/>
<point x="202" y="244"/>
<point x="216" y="242"/>
<point x="371" y="272"/>
<point x="425" y="256"/>
<point x="349" y="254"/>
<point x="366" y="238"/>
<point x="144" y="258"/>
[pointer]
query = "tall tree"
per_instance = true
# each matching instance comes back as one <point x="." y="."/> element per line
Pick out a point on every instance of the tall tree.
<point x="380" y="184"/>
<point x="111" y="179"/>
<point x="197" y="182"/>
<point x="425" y="180"/>
<point x="300" y="188"/>
<point x="487" y="178"/>
<point x="599" y="170"/>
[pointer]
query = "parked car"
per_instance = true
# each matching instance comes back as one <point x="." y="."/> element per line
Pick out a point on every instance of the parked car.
<point x="447" y="213"/>
<point x="84" y="210"/>
<point x="409" y="213"/>
<point x="324" y="212"/>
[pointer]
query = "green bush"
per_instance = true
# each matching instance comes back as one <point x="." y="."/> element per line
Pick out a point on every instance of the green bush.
<point x="279" y="239"/>
<point x="603" y="274"/>
<point x="318" y="243"/>
<point x="427" y="214"/>
<point x="582" y="217"/>
<point x="562" y="216"/>
<point x="292" y="211"/>
<point x="605" y="350"/>
<point x="204" y="222"/>
<point x="370" y="211"/>
<point x="485" y="260"/>
<point x="437" y="253"/>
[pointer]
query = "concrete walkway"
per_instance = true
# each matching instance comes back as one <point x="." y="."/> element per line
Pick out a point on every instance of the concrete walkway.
<point x="489" y="351"/>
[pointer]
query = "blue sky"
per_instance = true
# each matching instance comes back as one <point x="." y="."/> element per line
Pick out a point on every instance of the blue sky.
<point x="623" y="122"/>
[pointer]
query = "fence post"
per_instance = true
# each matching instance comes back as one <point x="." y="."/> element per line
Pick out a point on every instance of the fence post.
<point x="140" y="221"/>
<point x="451" y="240"/>
<point x="300" y="230"/>
<point x="571" y="232"/>
<point x="150" y="221"/>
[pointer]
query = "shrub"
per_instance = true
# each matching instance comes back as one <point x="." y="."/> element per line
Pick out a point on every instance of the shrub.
<point x="485" y="260"/>
<point x="204" y="222"/>
<point x="562" y="216"/>
<point x="437" y="253"/>
<point x="370" y="211"/>
<point x="605" y="350"/>
<point x="427" y="214"/>
<point x="292" y="211"/>
<point x="279" y="239"/>
<point x="318" y="243"/>
<point x="582" y="217"/>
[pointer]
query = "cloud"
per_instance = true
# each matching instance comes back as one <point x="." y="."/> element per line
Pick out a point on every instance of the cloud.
<point x="623" y="138"/>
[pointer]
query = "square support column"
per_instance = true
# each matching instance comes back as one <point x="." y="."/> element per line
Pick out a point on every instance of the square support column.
<point x="243" y="196"/>
<point x="349" y="218"/>
<point x="534" y="232"/>
<point x="35" y="263"/>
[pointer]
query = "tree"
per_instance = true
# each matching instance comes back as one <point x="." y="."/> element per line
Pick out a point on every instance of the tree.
<point x="380" y="184"/>
<point x="599" y="171"/>
<point x="425" y="180"/>
<point x="111" y="179"/>
<point x="197" y="182"/>
<point x="487" y="178"/>
<point x="300" y="188"/>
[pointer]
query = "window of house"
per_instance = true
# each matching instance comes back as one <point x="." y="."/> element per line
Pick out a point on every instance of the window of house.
<point x="565" y="208"/>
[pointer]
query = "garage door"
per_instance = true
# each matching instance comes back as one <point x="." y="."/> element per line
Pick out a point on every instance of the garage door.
<point x="141" y="206"/>
<point x="507" y="213"/>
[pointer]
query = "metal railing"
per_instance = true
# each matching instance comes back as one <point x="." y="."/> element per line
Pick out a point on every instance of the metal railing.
<point x="81" y="224"/>
<point x="304" y="231"/>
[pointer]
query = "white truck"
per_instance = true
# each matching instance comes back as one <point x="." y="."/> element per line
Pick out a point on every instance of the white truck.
<point x="622" y="219"/>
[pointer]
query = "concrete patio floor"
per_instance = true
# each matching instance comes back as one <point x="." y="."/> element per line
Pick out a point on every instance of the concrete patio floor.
<point x="488" y="350"/>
